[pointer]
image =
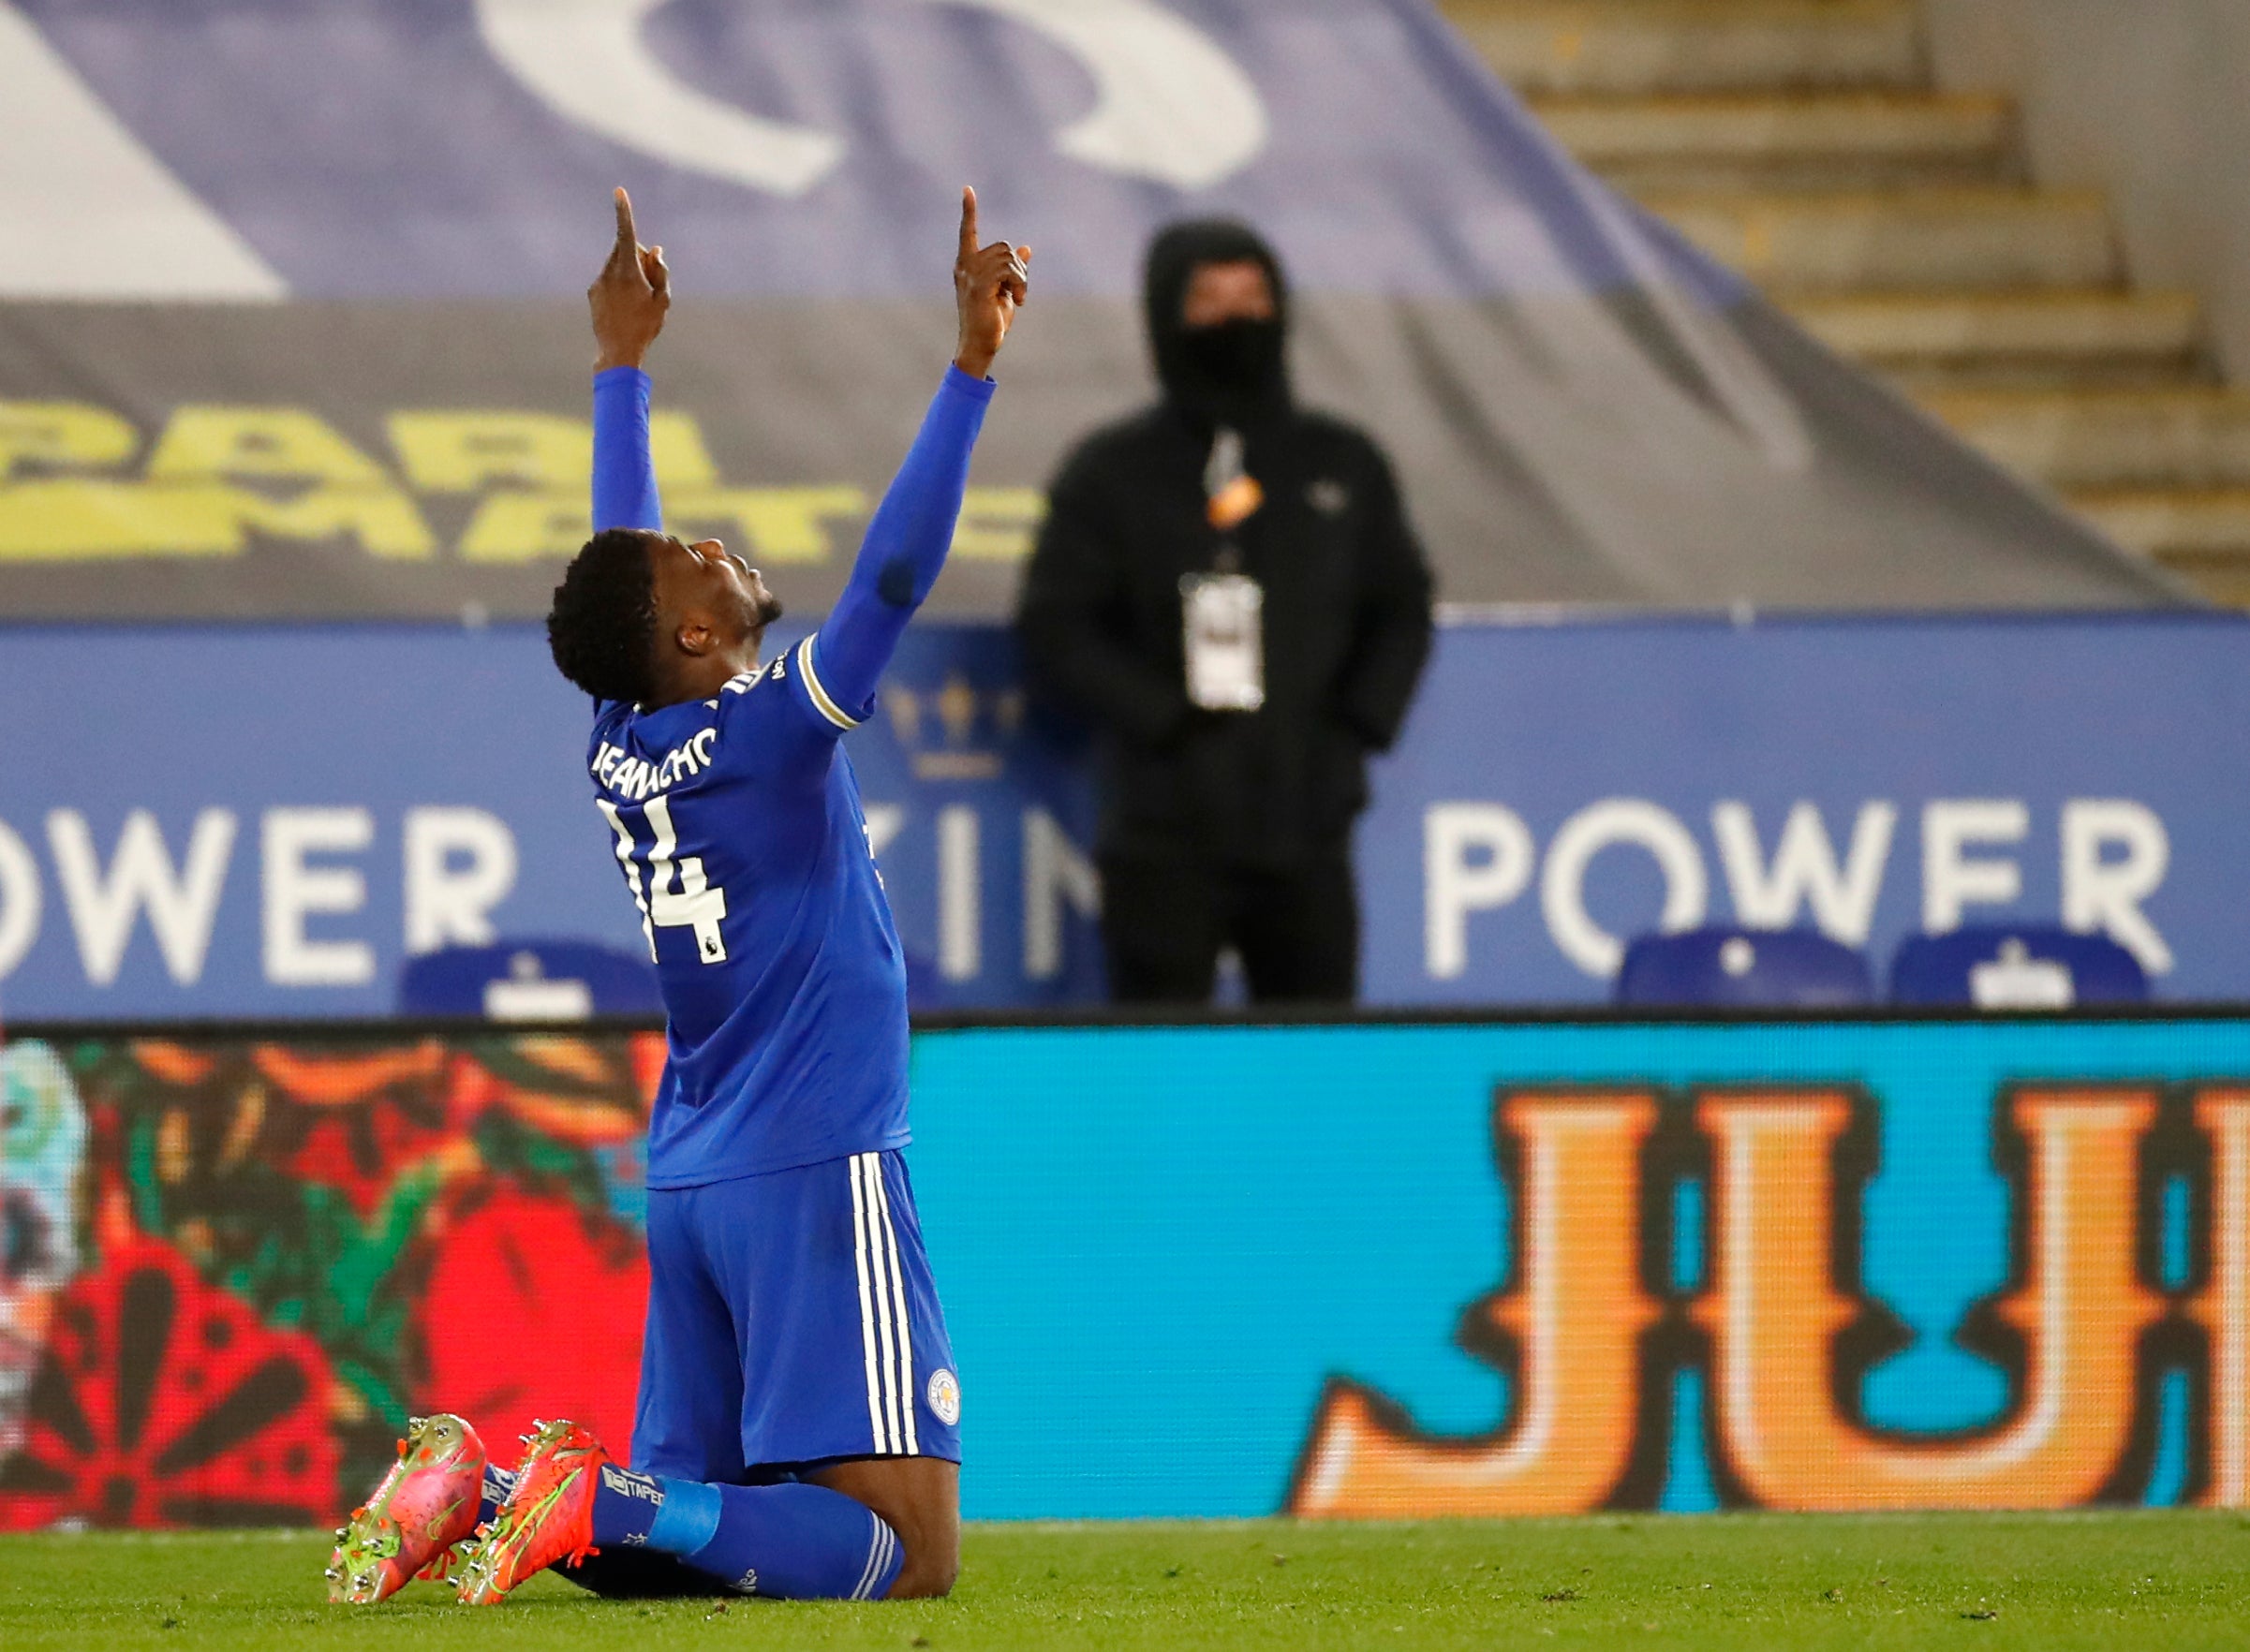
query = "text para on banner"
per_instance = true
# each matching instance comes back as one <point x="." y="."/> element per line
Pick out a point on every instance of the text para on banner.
<point x="455" y="863"/>
<point x="508" y="487"/>
<point x="1597" y="1316"/>
<point x="2111" y="854"/>
<point x="455" y="867"/>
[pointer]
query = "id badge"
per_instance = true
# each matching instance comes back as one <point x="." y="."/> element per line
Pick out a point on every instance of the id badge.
<point x="1225" y="641"/>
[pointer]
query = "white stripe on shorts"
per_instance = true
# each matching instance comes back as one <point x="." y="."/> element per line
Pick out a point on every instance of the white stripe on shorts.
<point x="862" y="1229"/>
<point x="890" y="1326"/>
<point x="906" y="1330"/>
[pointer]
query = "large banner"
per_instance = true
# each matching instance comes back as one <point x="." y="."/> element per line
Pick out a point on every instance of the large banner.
<point x="272" y="821"/>
<point x="1195" y="1271"/>
<point x="321" y="351"/>
<point x="234" y="1268"/>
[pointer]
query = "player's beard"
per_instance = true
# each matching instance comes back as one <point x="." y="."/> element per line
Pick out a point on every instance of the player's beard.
<point x="758" y="607"/>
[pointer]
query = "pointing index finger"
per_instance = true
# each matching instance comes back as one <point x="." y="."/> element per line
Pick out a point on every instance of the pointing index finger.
<point x="968" y="223"/>
<point x="628" y="242"/>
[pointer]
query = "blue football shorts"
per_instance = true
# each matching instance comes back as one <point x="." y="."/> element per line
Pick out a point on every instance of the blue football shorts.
<point x="791" y="1320"/>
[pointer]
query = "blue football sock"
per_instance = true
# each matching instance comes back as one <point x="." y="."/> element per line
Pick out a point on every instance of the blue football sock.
<point x="800" y="1542"/>
<point x="627" y="1505"/>
<point x="791" y="1542"/>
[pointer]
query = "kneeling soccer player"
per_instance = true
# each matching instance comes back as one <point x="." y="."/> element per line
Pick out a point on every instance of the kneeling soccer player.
<point x="796" y="1430"/>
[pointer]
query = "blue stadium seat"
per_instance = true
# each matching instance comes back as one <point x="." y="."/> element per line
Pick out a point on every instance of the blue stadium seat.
<point x="530" y="981"/>
<point x="2031" y="967"/>
<point x="1743" y="970"/>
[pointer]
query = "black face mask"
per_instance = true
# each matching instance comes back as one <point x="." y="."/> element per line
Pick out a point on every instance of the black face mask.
<point x="1234" y="373"/>
<point x="1240" y="357"/>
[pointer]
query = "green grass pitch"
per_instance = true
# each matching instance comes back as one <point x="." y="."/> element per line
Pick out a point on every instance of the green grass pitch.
<point x="2142" y="1581"/>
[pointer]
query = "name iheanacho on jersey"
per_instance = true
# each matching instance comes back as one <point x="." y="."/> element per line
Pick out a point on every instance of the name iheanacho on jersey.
<point x="629" y="776"/>
<point x="633" y="779"/>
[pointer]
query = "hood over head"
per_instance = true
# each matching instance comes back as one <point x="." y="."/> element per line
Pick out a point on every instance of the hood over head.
<point x="1233" y="373"/>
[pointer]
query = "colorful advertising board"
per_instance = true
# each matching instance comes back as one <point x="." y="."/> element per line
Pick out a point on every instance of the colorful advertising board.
<point x="1376" y="1269"/>
<point x="263" y="821"/>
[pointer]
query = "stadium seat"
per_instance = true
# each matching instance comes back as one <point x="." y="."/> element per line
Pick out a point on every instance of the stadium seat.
<point x="2037" y="966"/>
<point x="530" y="981"/>
<point x="1743" y="968"/>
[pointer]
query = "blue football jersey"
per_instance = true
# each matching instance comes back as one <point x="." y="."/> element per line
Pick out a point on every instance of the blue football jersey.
<point x="738" y="827"/>
<point x="737" y="824"/>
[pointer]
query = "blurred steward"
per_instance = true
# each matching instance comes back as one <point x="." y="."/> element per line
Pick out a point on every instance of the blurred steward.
<point x="1227" y="587"/>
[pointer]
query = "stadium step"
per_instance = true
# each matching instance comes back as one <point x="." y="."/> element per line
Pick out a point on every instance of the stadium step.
<point x="1914" y="240"/>
<point x="2201" y="534"/>
<point x="2047" y="339"/>
<point x="1802" y="143"/>
<point x="1629" y="46"/>
<point x="1793" y="142"/>
<point x="2187" y="437"/>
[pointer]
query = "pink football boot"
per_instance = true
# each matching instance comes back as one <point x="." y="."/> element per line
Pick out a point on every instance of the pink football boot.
<point x="548" y="1518"/>
<point x="426" y="1505"/>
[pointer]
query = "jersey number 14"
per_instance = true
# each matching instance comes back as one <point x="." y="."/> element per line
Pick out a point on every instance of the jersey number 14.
<point x="678" y="895"/>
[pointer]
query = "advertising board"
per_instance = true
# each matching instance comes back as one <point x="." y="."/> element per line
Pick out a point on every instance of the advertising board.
<point x="1376" y="1269"/>
<point x="270" y="821"/>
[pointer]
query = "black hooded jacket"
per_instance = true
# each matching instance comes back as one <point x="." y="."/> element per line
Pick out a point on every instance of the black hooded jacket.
<point x="1347" y="594"/>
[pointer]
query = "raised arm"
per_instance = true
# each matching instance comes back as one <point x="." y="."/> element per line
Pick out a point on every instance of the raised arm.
<point x="628" y="299"/>
<point x="904" y="549"/>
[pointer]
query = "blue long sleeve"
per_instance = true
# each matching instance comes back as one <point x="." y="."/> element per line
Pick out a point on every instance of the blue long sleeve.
<point x="904" y="549"/>
<point x="624" y="477"/>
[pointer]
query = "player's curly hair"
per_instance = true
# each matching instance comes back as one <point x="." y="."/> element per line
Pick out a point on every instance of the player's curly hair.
<point x="602" y="627"/>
